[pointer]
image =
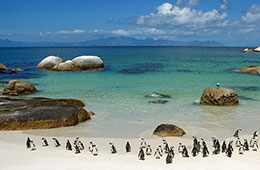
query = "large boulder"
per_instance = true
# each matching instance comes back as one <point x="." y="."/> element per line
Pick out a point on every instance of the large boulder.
<point x="49" y="62"/>
<point x="18" y="87"/>
<point x="165" y="130"/>
<point x="3" y="67"/>
<point x="40" y="113"/>
<point x="250" y="70"/>
<point x="219" y="97"/>
<point x="88" y="62"/>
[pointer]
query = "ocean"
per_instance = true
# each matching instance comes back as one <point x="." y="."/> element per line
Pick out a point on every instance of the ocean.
<point x="117" y="94"/>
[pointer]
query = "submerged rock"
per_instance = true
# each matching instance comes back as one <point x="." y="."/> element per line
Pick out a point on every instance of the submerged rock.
<point x="40" y="113"/>
<point x="18" y="87"/>
<point x="250" y="70"/>
<point x="3" y="67"/>
<point x="140" y="68"/>
<point x="165" y="130"/>
<point x="157" y="95"/>
<point x="158" y="101"/>
<point x="219" y="97"/>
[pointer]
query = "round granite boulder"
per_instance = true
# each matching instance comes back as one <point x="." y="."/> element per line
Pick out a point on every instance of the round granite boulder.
<point x="165" y="130"/>
<point x="49" y="62"/>
<point x="88" y="62"/>
<point x="219" y="97"/>
<point x="18" y="87"/>
<point x="250" y="70"/>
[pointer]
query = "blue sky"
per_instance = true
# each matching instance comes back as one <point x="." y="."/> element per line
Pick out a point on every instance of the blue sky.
<point x="231" y="22"/>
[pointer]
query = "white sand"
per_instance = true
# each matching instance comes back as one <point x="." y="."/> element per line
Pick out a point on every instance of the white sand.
<point x="15" y="156"/>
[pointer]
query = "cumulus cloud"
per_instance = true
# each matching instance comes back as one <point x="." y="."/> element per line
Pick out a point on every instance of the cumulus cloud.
<point x="171" y="15"/>
<point x="252" y="16"/>
<point x="224" y="4"/>
<point x="77" y="31"/>
<point x="187" y="3"/>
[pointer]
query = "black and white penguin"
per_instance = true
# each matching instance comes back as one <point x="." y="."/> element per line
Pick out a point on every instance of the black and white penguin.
<point x="127" y="147"/>
<point x="166" y="146"/>
<point x="81" y="145"/>
<point x="214" y="140"/>
<point x="238" y="142"/>
<point x="241" y="150"/>
<point x="160" y="148"/>
<point x="141" y="155"/>
<point x="185" y="153"/>
<point x="255" y="146"/>
<point x="205" y="151"/>
<point x="32" y="146"/>
<point x="44" y="142"/>
<point x="169" y="158"/>
<point x="224" y="146"/>
<point x="90" y="148"/>
<point x="95" y="150"/>
<point x="194" y="150"/>
<point x="255" y="135"/>
<point x="180" y="148"/>
<point x="236" y="134"/>
<point x="28" y="142"/>
<point x="112" y="148"/>
<point x="77" y="150"/>
<point x="195" y="142"/>
<point x="217" y="85"/>
<point x="76" y="141"/>
<point x="157" y="154"/>
<point x="229" y="149"/>
<point x="56" y="142"/>
<point x="68" y="146"/>
<point x="217" y="147"/>
<point x="172" y="151"/>
<point x="202" y="144"/>
<point x="143" y="143"/>
<point x="245" y="145"/>
<point x="149" y="150"/>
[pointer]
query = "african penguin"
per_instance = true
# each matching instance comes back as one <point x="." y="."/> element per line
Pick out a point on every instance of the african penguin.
<point x="68" y="146"/>
<point x="141" y="154"/>
<point x="127" y="147"/>
<point x="149" y="150"/>
<point x="56" y="142"/>
<point x="44" y="142"/>
<point x="236" y="134"/>
<point x="112" y="148"/>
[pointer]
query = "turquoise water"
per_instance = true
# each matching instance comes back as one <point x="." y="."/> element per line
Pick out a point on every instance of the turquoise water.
<point x="117" y="94"/>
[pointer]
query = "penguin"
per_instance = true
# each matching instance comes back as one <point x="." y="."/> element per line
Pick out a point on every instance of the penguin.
<point x="28" y="141"/>
<point x="237" y="133"/>
<point x="241" y="150"/>
<point x="141" y="154"/>
<point x="205" y="151"/>
<point x="245" y="145"/>
<point x="81" y="146"/>
<point x="169" y="158"/>
<point x="76" y="141"/>
<point x="180" y="148"/>
<point x="217" y="85"/>
<point x="77" y="150"/>
<point x="172" y="151"/>
<point x="255" y="135"/>
<point x="68" y="146"/>
<point x="32" y="146"/>
<point x="44" y="142"/>
<point x="166" y="146"/>
<point x="185" y="153"/>
<point x="217" y="147"/>
<point x="56" y="142"/>
<point x="90" y="148"/>
<point x="127" y="147"/>
<point x="251" y="143"/>
<point x="149" y="150"/>
<point x="112" y="148"/>
<point x="238" y="142"/>
<point x="143" y="143"/>
<point x="202" y="144"/>
<point x="255" y="146"/>
<point x="157" y="154"/>
<point x="196" y="145"/>
<point x="229" y="149"/>
<point x="224" y="146"/>
<point x="95" y="150"/>
<point x="194" y="150"/>
<point x="160" y="148"/>
<point x="214" y="140"/>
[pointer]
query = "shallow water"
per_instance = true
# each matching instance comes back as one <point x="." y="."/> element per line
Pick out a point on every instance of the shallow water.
<point x="117" y="94"/>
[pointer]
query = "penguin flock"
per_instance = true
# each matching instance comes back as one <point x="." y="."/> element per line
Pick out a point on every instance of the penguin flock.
<point x="199" y="147"/>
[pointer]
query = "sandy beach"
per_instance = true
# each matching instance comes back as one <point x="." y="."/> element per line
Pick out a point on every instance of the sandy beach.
<point x="17" y="156"/>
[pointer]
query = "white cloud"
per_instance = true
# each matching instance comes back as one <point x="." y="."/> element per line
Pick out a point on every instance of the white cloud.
<point x="172" y="16"/>
<point x="252" y="16"/>
<point x="77" y="31"/>
<point x="120" y="32"/>
<point x="187" y="3"/>
<point x="224" y="4"/>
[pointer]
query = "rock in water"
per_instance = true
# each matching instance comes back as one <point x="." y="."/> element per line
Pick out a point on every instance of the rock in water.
<point x="250" y="70"/>
<point x="3" y="67"/>
<point x="165" y="130"/>
<point x="18" y="87"/>
<point x="40" y="113"/>
<point x="158" y="101"/>
<point x="88" y="62"/>
<point x="49" y="62"/>
<point x="219" y="97"/>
